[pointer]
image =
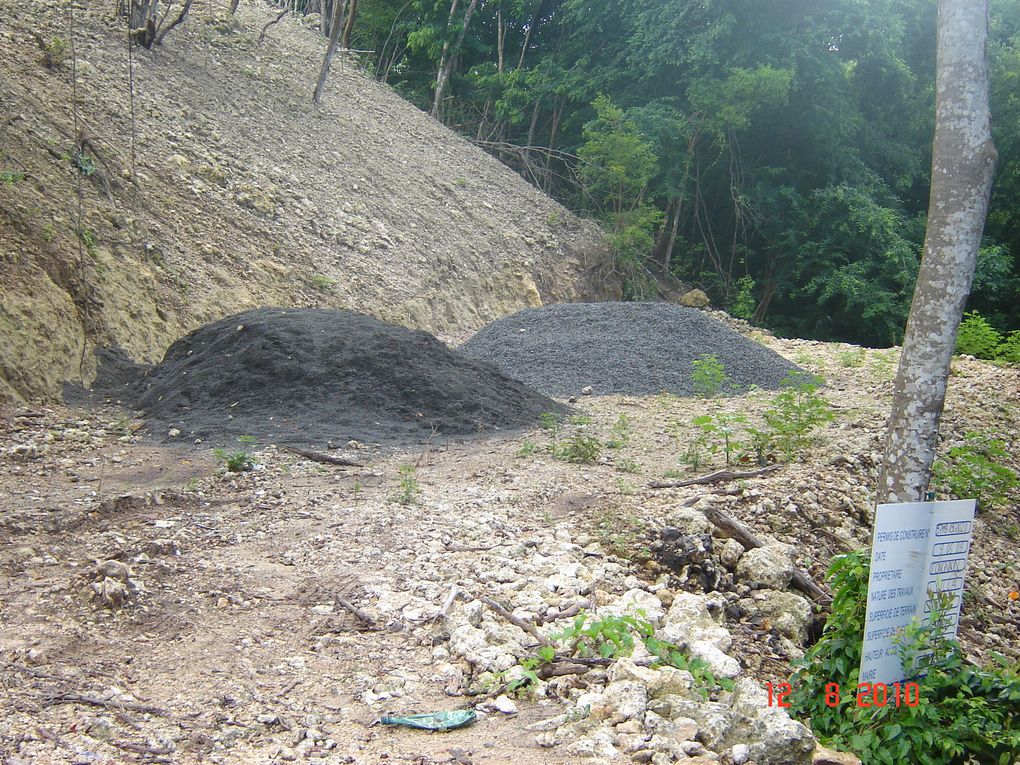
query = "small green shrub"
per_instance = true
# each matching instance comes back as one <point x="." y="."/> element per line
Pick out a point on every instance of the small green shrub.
<point x="795" y="412"/>
<point x="614" y="637"/>
<point x="319" y="281"/>
<point x="620" y="433"/>
<point x="579" y="448"/>
<point x="851" y="359"/>
<point x="720" y="433"/>
<point x="235" y="462"/>
<point x="1009" y="349"/>
<point x="708" y="376"/>
<point x="408" y="489"/>
<point x="527" y="449"/>
<point x="743" y="304"/>
<point x="55" y="51"/>
<point x="627" y="465"/>
<point x="10" y="177"/>
<point x="977" y="337"/>
<point x="975" y="470"/>
<point x="965" y="714"/>
<point x="549" y="421"/>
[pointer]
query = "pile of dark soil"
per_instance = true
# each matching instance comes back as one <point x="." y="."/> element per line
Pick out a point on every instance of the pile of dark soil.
<point x="315" y="375"/>
<point x="631" y="349"/>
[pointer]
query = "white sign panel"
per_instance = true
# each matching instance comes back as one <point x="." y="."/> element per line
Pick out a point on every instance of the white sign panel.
<point x="919" y="550"/>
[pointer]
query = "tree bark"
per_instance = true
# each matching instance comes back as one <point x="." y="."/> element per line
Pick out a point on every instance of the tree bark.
<point x="334" y="42"/>
<point x="450" y="55"/>
<point x="352" y="10"/>
<point x="963" y="163"/>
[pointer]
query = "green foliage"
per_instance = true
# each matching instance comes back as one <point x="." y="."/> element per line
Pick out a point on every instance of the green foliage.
<point x="720" y="433"/>
<point x="322" y="282"/>
<point x="853" y="358"/>
<point x="83" y="163"/>
<point x="743" y="303"/>
<point x="621" y="433"/>
<point x="708" y="375"/>
<point x="10" y="177"/>
<point x="975" y="470"/>
<point x="965" y="713"/>
<point x="55" y="52"/>
<point x="627" y="465"/>
<point x="617" y="163"/>
<point x="578" y="448"/>
<point x="977" y="337"/>
<point x="235" y="462"/>
<point x="527" y="449"/>
<point x="614" y="637"/>
<point x="549" y="421"/>
<point x="238" y="461"/>
<point x="408" y="488"/>
<point x="781" y="142"/>
<point x="796" y="412"/>
<point x="1009" y="350"/>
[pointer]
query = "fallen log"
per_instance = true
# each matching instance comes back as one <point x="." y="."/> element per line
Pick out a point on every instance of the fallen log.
<point x="719" y="475"/>
<point x="743" y="534"/>
<point x="329" y="459"/>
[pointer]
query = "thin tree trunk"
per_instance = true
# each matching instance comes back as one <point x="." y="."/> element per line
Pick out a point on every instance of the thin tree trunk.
<point x="500" y="40"/>
<point x="963" y="163"/>
<point x="233" y="6"/>
<point x="334" y="42"/>
<point x="450" y="55"/>
<point x="527" y="34"/>
<point x="352" y="10"/>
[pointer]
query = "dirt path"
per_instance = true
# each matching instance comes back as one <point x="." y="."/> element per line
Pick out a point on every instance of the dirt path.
<point x="233" y="644"/>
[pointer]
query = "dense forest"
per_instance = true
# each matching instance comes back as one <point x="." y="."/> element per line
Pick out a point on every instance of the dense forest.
<point x="776" y="154"/>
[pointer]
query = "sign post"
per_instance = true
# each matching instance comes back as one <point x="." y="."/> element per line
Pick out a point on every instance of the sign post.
<point x="918" y="557"/>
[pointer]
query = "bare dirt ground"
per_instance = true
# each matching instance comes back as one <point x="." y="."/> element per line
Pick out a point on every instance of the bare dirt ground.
<point x="235" y="641"/>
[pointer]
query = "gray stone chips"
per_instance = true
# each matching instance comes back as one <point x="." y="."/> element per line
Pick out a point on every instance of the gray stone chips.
<point x="632" y="349"/>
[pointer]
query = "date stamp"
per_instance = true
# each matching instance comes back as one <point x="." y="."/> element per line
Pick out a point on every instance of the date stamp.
<point x="868" y="695"/>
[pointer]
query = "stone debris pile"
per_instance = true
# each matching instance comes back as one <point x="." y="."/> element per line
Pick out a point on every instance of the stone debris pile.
<point x="632" y="349"/>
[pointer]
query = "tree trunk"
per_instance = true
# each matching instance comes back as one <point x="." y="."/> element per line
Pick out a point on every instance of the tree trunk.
<point x="233" y="6"/>
<point x="450" y="55"/>
<point x="527" y="34"/>
<point x="500" y="41"/>
<point x="963" y="163"/>
<point x="334" y="42"/>
<point x="352" y="10"/>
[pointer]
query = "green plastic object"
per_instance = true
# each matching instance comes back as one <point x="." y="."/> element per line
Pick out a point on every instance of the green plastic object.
<point x="458" y="718"/>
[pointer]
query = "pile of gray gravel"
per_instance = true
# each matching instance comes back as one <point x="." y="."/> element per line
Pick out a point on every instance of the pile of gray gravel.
<point x="631" y="349"/>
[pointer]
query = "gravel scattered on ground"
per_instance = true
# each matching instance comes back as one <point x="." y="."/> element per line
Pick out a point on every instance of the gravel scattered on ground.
<point x="630" y="349"/>
<point x="317" y="375"/>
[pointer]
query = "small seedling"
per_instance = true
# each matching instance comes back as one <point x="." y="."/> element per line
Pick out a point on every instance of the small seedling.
<point x="579" y="449"/>
<point x="708" y="376"/>
<point x="627" y="465"/>
<point x="621" y="431"/>
<point x="527" y="449"/>
<point x="408" y="486"/>
<point x="235" y="462"/>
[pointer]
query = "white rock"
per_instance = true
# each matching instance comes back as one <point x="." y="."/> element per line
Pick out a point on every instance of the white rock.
<point x="740" y="753"/>
<point x="730" y="553"/>
<point x="627" y="699"/>
<point x="771" y="566"/>
<point x="505" y="705"/>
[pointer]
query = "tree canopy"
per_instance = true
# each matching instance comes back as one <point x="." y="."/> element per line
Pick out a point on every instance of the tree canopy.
<point x="774" y="153"/>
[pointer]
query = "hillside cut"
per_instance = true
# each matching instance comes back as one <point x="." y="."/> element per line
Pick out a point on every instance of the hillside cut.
<point x="632" y="349"/>
<point x="319" y="375"/>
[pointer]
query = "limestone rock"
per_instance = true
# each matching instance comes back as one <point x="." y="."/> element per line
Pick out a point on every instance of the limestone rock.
<point x="789" y="613"/>
<point x="770" y="566"/>
<point x="694" y="299"/>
